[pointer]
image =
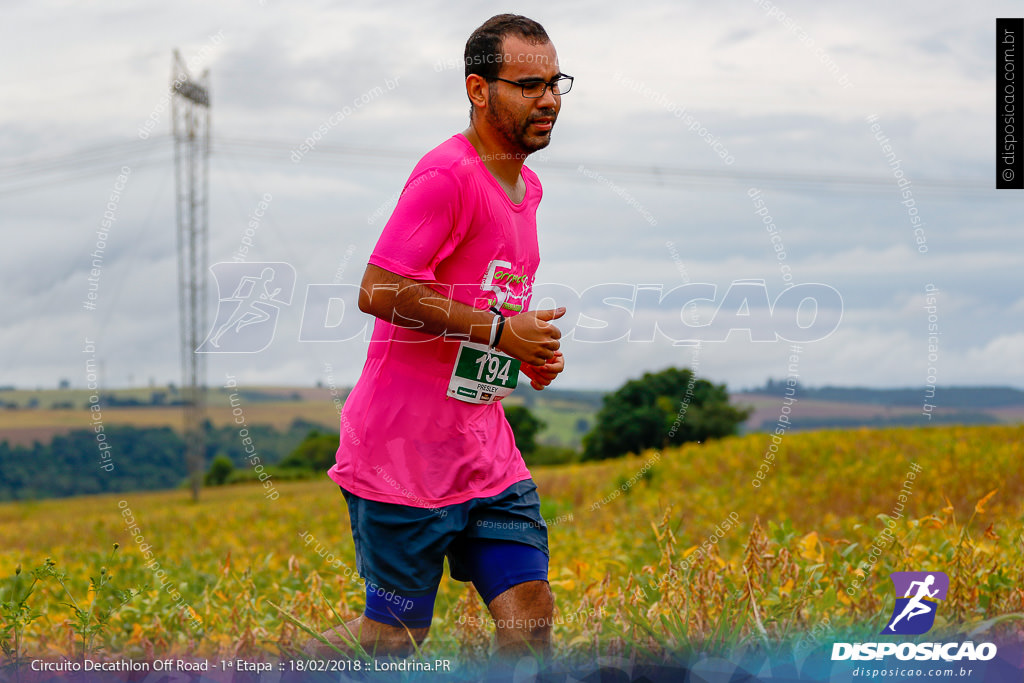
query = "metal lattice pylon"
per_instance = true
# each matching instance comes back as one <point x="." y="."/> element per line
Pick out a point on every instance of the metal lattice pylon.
<point x="190" y="107"/>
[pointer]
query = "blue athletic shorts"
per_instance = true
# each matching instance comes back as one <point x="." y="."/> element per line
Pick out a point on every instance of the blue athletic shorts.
<point x="495" y="542"/>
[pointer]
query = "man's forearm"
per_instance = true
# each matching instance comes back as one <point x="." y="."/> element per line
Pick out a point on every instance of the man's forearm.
<point x="529" y="336"/>
<point x="411" y="304"/>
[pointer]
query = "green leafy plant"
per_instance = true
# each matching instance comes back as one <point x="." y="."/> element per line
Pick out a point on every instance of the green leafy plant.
<point x="106" y="601"/>
<point x="16" y="614"/>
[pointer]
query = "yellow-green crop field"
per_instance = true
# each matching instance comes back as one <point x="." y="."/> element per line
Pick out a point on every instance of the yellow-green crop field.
<point x="657" y="555"/>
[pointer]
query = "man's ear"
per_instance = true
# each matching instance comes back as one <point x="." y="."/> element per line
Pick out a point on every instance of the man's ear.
<point x="477" y="91"/>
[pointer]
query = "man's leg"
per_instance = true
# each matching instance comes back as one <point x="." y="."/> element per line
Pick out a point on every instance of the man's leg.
<point x="523" y="616"/>
<point x="381" y="640"/>
<point x="391" y="626"/>
<point x="400" y="547"/>
<point x="511" y="578"/>
<point x="506" y="558"/>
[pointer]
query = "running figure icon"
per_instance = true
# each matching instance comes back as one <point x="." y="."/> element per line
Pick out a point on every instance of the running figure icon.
<point x="253" y="296"/>
<point x="916" y="606"/>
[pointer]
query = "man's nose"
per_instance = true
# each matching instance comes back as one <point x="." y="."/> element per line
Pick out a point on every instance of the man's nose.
<point x="549" y="100"/>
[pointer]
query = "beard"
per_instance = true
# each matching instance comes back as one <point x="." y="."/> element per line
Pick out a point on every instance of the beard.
<point x="515" y="131"/>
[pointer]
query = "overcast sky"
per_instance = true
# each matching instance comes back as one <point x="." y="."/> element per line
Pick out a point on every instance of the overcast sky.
<point x="636" y="189"/>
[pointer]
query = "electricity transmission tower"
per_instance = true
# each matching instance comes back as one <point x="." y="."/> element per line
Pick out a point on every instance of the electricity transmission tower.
<point x="190" y="111"/>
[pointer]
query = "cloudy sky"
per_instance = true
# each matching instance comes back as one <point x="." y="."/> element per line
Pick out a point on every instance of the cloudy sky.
<point x="681" y="113"/>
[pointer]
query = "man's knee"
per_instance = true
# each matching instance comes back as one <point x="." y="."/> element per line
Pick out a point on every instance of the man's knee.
<point x="420" y="634"/>
<point x="538" y="593"/>
<point x="379" y="638"/>
<point x="523" y="620"/>
<point x="400" y="633"/>
<point x="543" y="599"/>
<point x="543" y="608"/>
<point x="528" y="605"/>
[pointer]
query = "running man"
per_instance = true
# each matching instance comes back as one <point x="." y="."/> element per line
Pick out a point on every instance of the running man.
<point x="430" y="469"/>
<point x="916" y="605"/>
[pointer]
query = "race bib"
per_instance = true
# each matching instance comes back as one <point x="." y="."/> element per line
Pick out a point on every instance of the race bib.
<point x="482" y="374"/>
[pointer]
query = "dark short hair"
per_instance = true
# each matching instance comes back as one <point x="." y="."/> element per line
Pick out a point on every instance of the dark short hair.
<point x="483" y="49"/>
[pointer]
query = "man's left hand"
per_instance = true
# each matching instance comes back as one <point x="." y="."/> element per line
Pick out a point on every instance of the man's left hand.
<point x="542" y="375"/>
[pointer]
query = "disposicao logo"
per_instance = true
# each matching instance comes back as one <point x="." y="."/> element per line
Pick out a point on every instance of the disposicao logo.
<point x="917" y="596"/>
<point x="247" y="317"/>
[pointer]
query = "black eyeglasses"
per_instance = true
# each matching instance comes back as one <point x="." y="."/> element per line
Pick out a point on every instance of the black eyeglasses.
<point x="536" y="88"/>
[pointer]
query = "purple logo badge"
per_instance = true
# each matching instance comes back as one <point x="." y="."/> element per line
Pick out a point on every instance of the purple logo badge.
<point x="917" y="596"/>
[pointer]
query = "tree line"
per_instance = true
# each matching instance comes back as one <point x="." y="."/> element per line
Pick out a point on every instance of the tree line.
<point x="656" y="410"/>
<point x="142" y="459"/>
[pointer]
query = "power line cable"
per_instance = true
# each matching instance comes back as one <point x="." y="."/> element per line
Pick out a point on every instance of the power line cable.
<point x="83" y="163"/>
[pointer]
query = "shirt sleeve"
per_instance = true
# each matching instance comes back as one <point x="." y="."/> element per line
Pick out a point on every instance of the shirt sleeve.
<point x="419" y="233"/>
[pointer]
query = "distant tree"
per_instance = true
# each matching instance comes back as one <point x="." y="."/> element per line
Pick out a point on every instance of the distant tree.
<point x="550" y="454"/>
<point x="525" y="427"/>
<point x="316" y="452"/>
<point x="775" y="387"/>
<point x="660" y="409"/>
<point x="220" y="469"/>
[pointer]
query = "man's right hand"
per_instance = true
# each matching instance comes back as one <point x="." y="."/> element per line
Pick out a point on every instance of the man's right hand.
<point x="531" y="337"/>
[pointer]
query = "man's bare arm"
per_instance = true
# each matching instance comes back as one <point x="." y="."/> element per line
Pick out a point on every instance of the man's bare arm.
<point x="528" y="336"/>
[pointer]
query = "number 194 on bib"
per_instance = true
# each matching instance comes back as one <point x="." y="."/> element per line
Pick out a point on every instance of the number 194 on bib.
<point x="482" y="374"/>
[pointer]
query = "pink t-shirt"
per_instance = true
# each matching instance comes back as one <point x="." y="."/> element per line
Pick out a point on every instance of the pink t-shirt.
<point x="403" y="440"/>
